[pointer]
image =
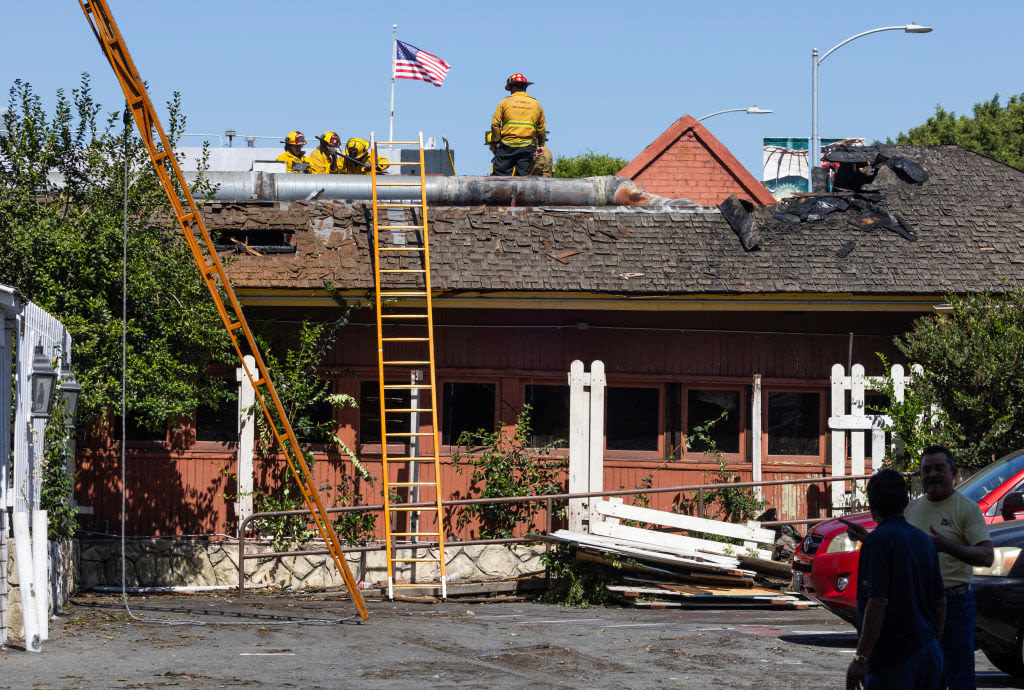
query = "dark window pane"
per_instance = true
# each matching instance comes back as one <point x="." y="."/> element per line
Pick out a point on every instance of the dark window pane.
<point x="703" y="406"/>
<point x="136" y="431"/>
<point x="632" y="419"/>
<point x="369" y="411"/>
<point x="467" y="407"/>
<point x="313" y="425"/>
<point x="549" y="414"/>
<point x="794" y="421"/>
<point x="218" y="423"/>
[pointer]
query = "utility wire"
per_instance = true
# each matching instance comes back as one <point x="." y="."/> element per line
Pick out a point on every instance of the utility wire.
<point x="127" y="119"/>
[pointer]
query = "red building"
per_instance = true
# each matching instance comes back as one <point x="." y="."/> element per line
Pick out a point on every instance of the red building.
<point x="685" y="319"/>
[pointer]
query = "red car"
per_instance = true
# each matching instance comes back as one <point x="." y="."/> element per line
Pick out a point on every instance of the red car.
<point x="825" y="563"/>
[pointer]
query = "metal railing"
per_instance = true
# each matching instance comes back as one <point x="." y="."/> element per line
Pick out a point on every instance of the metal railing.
<point x="549" y="499"/>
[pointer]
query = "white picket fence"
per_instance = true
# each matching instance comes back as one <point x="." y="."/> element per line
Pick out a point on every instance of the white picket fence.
<point x="851" y="426"/>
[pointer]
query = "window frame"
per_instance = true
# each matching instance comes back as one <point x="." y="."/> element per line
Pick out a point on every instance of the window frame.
<point x="742" y="455"/>
<point x="822" y="392"/>
<point x="655" y="455"/>
<point x="496" y="381"/>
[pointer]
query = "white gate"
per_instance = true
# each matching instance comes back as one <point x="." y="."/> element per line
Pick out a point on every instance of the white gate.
<point x="850" y="426"/>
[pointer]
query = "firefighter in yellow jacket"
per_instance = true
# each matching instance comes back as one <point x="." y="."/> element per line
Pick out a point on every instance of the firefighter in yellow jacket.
<point x="357" y="158"/>
<point x="518" y="129"/>
<point x="294" y="158"/>
<point x="325" y="159"/>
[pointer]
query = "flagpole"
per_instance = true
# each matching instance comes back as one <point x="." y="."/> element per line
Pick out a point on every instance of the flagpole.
<point x="394" y="52"/>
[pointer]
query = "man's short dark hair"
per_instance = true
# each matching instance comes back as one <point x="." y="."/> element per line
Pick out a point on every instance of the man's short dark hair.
<point x="887" y="493"/>
<point x="941" y="450"/>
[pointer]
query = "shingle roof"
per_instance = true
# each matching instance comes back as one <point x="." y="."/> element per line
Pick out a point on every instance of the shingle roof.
<point x="968" y="216"/>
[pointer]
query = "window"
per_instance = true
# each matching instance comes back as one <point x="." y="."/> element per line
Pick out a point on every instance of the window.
<point x="466" y="407"/>
<point x="703" y="406"/>
<point x="309" y="424"/>
<point x="794" y="423"/>
<point x="369" y="411"/>
<point x="549" y="414"/>
<point x="632" y="419"/>
<point x="218" y="423"/>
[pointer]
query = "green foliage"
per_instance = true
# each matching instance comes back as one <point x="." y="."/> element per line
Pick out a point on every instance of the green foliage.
<point x="734" y="504"/>
<point x="971" y="396"/>
<point x="58" y="484"/>
<point x="503" y="466"/>
<point x="580" y="584"/>
<point x="994" y="130"/>
<point x="60" y="245"/>
<point x="304" y="392"/>
<point x="588" y="164"/>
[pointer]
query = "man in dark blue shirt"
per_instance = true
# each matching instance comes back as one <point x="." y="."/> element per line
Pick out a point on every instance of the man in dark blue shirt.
<point x="901" y="605"/>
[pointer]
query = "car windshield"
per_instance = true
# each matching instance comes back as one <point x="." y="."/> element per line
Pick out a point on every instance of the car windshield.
<point x="984" y="481"/>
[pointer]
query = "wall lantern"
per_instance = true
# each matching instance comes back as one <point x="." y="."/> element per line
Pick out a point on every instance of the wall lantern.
<point x="44" y="382"/>
<point x="70" y="389"/>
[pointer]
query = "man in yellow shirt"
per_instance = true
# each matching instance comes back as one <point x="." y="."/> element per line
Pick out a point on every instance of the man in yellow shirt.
<point x="325" y="159"/>
<point x="958" y="530"/>
<point x="294" y="158"/>
<point x="518" y="129"/>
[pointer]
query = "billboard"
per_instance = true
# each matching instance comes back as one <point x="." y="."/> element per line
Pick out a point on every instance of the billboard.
<point x="785" y="163"/>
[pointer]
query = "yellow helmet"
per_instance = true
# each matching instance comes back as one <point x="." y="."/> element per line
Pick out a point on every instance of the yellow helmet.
<point x="295" y="137"/>
<point x="330" y="138"/>
<point x="357" y="148"/>
<point x="488" y="137"/>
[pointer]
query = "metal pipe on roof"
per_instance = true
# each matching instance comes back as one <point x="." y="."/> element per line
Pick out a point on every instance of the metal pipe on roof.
<point x="459" y="190"/>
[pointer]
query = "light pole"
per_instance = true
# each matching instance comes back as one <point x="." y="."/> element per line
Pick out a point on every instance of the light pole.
<point x="814" y="148"/>
<point x="752" y="110"/>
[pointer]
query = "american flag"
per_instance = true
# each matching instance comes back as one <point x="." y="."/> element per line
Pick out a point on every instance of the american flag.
<point x="413" y="63"/>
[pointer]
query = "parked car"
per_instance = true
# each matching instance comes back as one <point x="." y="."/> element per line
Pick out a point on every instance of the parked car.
<point x="825" y="563"/>
<point x="999" y="596"/>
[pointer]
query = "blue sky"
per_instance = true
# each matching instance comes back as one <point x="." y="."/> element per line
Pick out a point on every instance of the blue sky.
<point x="611" y="76"/>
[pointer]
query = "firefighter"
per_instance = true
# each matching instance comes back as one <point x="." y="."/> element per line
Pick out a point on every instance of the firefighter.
<point x="294" y="158"/>
<point x="357" y="158"/>
<point x="543" y="161"/>
<point x="517" y="129"/>
<point x="325" y="159"/>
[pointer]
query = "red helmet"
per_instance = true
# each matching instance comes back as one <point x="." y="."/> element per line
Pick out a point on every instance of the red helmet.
<point x="516" y="79"/>
<point x="294" y="137"/>
<point x="330" y="138"/>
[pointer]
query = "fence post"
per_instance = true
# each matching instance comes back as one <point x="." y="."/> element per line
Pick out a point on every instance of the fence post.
<point x="246" y="439"/>
<point x="579" y="446"/>
<point x="595" y="457"/>
<point x="838" y="437"/>
<point x="755" y="433"/>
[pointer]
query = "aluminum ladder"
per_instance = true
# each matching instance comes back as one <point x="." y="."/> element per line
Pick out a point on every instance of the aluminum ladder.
<point x="405" y="367"/>
<point x="212" y="272"/>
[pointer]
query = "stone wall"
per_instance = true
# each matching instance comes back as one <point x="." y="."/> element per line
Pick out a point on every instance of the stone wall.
<point x="186" y="563"/>
<point x="63" y="576"/>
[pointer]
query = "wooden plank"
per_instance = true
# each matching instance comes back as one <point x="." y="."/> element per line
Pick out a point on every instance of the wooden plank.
<point x="613" y="541"/>
<point x="858" y="422"/>
<point x="579" y="447"/>
<point x="675" y="542"/>
<point x="687" y="522"/>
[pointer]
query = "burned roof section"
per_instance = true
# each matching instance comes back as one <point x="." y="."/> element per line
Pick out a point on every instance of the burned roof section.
<point x="966" y="217"/>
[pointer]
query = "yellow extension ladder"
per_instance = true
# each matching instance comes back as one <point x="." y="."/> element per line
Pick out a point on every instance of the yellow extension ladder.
<point x="405" y="366"/>
<point x="212" y="271"/>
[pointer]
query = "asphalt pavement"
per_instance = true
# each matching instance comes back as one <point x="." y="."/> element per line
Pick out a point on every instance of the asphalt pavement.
<point x="315" y="641"/>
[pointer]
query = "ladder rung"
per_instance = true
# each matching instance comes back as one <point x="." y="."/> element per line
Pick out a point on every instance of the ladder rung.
<point x="409" y="409"/>
<point x="188" y="217"/>
<point x="235" y="326"/>
<point x="258" y="382"/>
<point x="404" y="163"/>
<point x="397" y="143"/>
<point x="405" y="386"/>
<point x="430" y="509"/>
<point x="207" y="270"/>
<point x="403" y="270"/>
<point x="423" y="459"/>
<point x="406" y="362"/>
<point x="415" y="560"/>
<point x="405" y="340"/>
<point x="391" y="484"/>
<point x="415" y="534"/>
<point x="403" y="293"/>
<point x="399" y="184"/>
<point x="408" y="434"/>
<point x="401" y="249"/>
<point x="393" y="204"/>
<point x="399" y="227"/>
<point x="403" y="316"/>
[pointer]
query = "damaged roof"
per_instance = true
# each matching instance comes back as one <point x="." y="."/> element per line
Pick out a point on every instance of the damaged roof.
<point x="967" y="217"/>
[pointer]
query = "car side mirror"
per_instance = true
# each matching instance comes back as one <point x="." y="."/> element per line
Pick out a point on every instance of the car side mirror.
<point x="1013" y="504"/>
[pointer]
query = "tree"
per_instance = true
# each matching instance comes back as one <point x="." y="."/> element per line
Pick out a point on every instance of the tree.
<point x="994" y="131"/>
<point x="62" y="181"/>
<point x="971" y="396"/>
<point x="588" y="164"/>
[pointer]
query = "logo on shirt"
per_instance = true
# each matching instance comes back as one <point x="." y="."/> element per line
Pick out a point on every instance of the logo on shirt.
<point x="945" y="522"/>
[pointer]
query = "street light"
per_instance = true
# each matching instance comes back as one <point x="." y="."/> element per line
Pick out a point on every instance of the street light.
<point x="44" y="379"/>
<point x="814" y="159"/>
<point x="752" y="110"/>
